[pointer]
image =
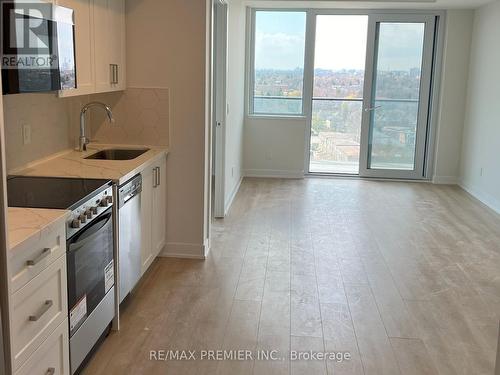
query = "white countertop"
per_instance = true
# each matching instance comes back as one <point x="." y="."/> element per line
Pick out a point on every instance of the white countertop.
<point x="25" y="223"/>
<point x="73" y="164"/>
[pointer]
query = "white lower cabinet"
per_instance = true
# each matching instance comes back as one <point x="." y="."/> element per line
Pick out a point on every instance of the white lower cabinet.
<point x="52" y="357"/>
<point x="38" y="308"/>
<point x="38" y="304"/>
<point x="34" y="255"/>
<point x="153" y="211"/>
<point x="159" y="224"/>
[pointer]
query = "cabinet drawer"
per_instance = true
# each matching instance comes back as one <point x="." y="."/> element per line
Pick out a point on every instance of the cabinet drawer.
<point x="37" y="309"/>
<point x="52" y="357"/>
<point x="33" y="256"/>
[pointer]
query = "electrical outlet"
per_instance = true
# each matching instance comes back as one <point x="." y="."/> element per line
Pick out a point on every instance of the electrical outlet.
<point x="26" y="134"/>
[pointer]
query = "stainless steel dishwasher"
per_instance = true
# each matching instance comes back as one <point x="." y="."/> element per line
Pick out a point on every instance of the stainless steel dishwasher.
<point x="129" y="212"/>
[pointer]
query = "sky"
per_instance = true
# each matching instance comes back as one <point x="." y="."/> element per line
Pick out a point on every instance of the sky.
<point x="340" y="42"/>
<point x="279" y="40"/>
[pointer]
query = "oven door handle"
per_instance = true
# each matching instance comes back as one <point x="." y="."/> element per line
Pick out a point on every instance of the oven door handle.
<point x="79" y="243"/>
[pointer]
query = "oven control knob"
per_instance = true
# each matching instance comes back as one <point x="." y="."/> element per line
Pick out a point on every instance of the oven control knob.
<point x="93" y="210"/>
<point x="110" y="199"/>
<point x="75" y="223"/>
<point x="83" y="218"/>
<point x="89" y="214"/>
<point x="104" y="202"/>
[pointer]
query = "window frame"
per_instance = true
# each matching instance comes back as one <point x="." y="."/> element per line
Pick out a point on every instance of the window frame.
<point x="312" y="12"/>
<point x="250" y="48"/>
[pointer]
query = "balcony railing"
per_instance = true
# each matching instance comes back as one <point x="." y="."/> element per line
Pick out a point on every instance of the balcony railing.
<point x="320" y="98"/>
<point x="292" y="105"/>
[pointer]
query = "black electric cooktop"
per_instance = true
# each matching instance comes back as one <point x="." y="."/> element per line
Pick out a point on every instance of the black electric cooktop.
<point x="52" y="192"/>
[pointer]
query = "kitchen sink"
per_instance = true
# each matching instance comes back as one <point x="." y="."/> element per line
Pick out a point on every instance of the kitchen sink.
<point x="117" y="154"/>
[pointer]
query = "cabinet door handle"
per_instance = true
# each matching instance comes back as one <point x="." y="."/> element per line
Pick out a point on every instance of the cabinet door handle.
<point x="46" y="306"/>
<point x="51" y="371"/>
<point x="158" y="176"/>
<point x="45" y="253"/>
<point x="155" y="178"/>
<point x="113" y="72"/>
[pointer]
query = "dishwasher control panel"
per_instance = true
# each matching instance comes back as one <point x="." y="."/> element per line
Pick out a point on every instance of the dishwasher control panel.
<point x="129" y="190"/>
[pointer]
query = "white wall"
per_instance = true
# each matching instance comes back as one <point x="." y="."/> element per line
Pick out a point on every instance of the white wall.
<point x="235" y="99"/>
<point x="480" y="171"/>
<point x="452" y="100"/>
<point x="166" y="48"/>
<point x="274" y="147"/>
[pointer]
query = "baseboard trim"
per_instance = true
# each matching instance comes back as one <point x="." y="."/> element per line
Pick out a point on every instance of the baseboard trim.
<point x="233" y="195"/>
<point x="445" y="180"/>
<point x="484" y="198"/>
<point x="274" y="173"/>
<point x="183" y="250"/>
<point x="206" y="247"/>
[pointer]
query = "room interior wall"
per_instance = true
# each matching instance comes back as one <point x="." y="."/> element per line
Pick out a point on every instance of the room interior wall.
<point x="235" y="100"/>
<point x="455" y="69"/>
<point x="166" y="49"/>
<point x="274" y="147"/>
<point x="480" y="174"/>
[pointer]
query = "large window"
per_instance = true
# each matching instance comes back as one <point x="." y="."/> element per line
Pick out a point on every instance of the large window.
<point x="278" y="74"/>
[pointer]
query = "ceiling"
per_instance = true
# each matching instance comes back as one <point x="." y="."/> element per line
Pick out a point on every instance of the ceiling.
<point x="364" y="4"/>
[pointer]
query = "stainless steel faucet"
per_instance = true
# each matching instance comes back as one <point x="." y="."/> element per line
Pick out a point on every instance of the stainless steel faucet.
<point x="83" y="139"/>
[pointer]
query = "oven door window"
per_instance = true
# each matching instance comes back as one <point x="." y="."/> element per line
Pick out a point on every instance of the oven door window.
<point x="90" y="268"/>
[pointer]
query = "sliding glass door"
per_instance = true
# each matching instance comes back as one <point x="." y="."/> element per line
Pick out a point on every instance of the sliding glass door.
<point x="337" y="102"/>
<point x="371" y="94"/>
<point x="397" y="94"/>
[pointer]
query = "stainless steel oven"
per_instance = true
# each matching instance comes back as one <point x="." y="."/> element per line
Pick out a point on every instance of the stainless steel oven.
<point x="90" y="268"/>
<point x="91" y="277"/>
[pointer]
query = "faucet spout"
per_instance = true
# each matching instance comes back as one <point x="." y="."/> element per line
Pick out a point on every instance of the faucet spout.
<point x="83" y="140"/>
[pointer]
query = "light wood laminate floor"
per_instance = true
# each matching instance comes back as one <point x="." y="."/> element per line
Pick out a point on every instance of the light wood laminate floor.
<point x="403" y="276"/>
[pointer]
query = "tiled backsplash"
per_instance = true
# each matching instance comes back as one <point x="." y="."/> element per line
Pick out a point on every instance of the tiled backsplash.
<point x="141" y="117"/>
<point x="50" y="119"/>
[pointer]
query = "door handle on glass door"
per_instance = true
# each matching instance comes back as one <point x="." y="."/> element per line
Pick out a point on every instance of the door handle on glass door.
<point x="373" y="108"/>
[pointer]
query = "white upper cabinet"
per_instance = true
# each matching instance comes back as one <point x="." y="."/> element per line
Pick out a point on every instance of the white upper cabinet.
<point x="99" y="45"/>
<point x="109" y="29"/>
<point x="84" y="48"/>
